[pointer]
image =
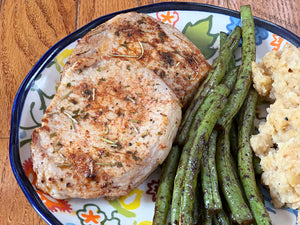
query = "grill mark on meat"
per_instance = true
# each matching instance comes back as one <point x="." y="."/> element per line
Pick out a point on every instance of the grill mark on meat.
<point x="167" y="58"/>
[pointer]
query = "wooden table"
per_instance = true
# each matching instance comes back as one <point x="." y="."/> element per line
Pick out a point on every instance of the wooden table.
<point x="28" y="28"/>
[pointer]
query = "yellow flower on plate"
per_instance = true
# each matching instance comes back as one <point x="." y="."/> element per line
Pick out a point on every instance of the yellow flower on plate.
<point x="135" y="203"/>
<point x="146" y="222"/>
<point x="63" y="55"/>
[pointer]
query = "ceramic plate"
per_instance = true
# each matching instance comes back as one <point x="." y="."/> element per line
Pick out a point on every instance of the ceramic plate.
<point x="39" y="86"/>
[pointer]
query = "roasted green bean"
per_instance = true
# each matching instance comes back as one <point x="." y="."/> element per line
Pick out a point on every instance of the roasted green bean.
<point x="256" y="165"/>
<point x="245" y="161"/>
<point x="165" y="189"/>
<point x="215" y="98"/>
<point x="207" y="218"/>
<point x="214" y="77"/>
<point x="228" y="183"/>
<point x="221" y="218"/>
<point x="231" y="63"/>
<point x="209" y="177"/>
<point x="244" y="79"/>
<point x="192" y="167"/>
<point x="175" y="208"/>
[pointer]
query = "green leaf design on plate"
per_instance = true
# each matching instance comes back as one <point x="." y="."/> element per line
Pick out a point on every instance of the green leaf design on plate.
<point x="57" y="66"/>
<point x="116" y="204"/>
<point x="50" y="64"/>
<point x="199" y="34"/>
<point x="24" y="142"/>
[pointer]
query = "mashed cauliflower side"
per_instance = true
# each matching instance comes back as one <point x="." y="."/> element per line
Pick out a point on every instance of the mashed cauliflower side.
<point x="277" y="78"/>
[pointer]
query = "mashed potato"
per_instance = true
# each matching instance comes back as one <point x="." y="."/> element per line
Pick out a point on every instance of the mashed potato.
<point x="277" y="78"/>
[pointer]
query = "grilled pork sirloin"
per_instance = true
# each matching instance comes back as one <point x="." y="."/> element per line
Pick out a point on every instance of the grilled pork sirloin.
<point x="107" y="128"/>
<point x="117" y="110"/>
<point x="156" y="45"/>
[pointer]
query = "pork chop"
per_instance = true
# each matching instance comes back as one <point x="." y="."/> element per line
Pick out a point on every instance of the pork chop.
<point x="156" y="45"/>
<point x="108" y="127"/>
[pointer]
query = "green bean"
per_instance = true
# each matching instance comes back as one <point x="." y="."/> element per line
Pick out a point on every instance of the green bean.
<point x="213" y="99"/>
<point x="185" y="152"/>
<point x="233" y="153"/>
<point x="231" y="63"/>
<point x="214" y="77"/>
<point x="233" y="163"/>
<point x="256" y="165"/>
<point x="207" y="218"/>
<point x="209" y="177"/>
<point x="203" y="130"/>
<point x="230" y="78"/>
<point x="221" y="218"/>
<point x="245" y="160"/>
<point x="175" y="204"/>
<point x="223" y="36"/>
<point x="198" y="205"/>
<point x="220" y="90"/>
<point x="228" y="183"/>
<point x="244" y="80"/>
<point x="234" y="139"/>
<point x="165" y="188"/>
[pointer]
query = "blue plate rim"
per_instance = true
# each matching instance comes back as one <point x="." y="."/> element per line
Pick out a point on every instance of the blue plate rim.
<point x="24" y="88"/>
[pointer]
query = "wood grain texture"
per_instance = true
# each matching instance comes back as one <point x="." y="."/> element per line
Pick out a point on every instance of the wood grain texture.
<point x="89" y="10"/>
<point x="28" y="28"/>
<point x="14" y="207"/>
